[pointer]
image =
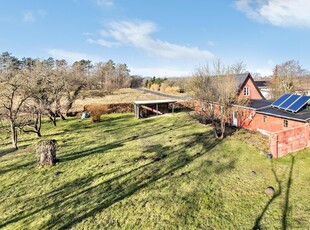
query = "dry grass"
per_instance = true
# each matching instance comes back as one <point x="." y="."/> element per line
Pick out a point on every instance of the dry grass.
<point x="119" y="96"/>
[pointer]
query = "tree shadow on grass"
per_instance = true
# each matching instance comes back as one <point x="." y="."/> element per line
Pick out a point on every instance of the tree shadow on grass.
<point x="6" y="151"/>
<point x="113" y="145"/>
<point x="79" y="199"/>
<point x="286" y="208"/>
<point x="17" y="167"/>
<point x="88" y="152"/>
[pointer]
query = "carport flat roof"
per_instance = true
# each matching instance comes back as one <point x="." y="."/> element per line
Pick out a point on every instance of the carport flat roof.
<point x="153" y="102"/>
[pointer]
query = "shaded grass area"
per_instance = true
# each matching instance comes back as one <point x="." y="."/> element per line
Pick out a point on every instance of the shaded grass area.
<point x="167" y="172"/>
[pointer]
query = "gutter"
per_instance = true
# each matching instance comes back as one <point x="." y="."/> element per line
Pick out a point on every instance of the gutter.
<point x="281" y="116"/>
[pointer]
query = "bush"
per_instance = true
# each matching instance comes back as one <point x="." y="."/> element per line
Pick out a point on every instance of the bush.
<point x="155" y="87"/>
<point x="172" y="89"/>
<point x="183" y="105"/>
<point x="96" y="110"/>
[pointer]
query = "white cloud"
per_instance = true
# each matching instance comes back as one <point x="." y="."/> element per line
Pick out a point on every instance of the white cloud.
<point x="32" y="16"/>
<point x="138" y="34"/>
<point x="285" y="13"/>
<point x="41" y="13"/>
<point x="72" y="56"/>
<point x="211" y="43"/>
<point x="87" y="34"/>
<point x="104" y="3"/>
<point x="29" y="17"/>
<point x="264" y="72"/>
<point x="103" y="42"/>
<point x="159" y="72"/>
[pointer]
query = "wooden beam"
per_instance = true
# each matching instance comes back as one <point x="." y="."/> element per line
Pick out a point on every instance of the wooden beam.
<point x="150" y="109"/>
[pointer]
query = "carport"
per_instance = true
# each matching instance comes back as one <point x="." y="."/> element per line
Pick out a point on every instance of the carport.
<point x="145" y="109"/>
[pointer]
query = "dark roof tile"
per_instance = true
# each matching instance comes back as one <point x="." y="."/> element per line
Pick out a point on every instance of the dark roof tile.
<point x="303" y="115"/>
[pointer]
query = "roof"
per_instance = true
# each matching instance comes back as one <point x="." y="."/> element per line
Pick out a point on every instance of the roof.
<point x="240" y="78"/>
<point x="261" y="83"/>
<point x="264" y="107"/>
<point x="153" y="102"/>
<point x="303" y="115"/>
<point x="258" y="104"/>
<point x="241" y="81"/>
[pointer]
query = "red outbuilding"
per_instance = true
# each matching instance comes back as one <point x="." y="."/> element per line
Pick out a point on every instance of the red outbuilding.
<point x="286" y="121"/>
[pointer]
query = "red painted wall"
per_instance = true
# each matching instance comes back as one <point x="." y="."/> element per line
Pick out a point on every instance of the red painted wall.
<point x="283" y="140"/>
<point x="254" y="93"/>
<point x="271" y="124"/>
<point x="290" y="140"/>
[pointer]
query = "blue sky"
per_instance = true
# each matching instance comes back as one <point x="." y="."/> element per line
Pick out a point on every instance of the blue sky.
<point x="159" y="37"/>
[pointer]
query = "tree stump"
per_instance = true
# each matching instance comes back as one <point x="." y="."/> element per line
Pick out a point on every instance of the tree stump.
<point x="46" y="152"/>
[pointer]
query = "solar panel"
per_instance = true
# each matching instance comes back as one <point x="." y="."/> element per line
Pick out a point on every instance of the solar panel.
<point x="281" y="100"/>
<point x="289" y="101"/>
<point x="301" y="102"/>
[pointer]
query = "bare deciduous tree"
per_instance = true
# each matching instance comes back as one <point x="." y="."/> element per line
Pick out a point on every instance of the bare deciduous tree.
<point x="284" y="78"/>
<point x="217" y="89"/>
<point x="14" y="92"/>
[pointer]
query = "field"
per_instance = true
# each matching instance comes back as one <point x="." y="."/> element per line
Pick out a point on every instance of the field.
<point x="157" y="173"/>
<point x="126" y="95"/>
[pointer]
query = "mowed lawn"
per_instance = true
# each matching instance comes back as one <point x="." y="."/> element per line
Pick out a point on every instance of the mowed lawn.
<point x="157" y="173"/>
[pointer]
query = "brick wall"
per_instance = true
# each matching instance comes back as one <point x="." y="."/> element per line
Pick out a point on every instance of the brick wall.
<point x="289" y="140"/>
<point x="271" y="124"/>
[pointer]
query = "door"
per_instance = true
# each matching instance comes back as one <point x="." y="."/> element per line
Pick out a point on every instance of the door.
<point x="235" y="119"/>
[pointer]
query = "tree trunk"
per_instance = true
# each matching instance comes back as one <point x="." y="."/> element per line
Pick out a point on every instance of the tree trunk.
<point x="58" y="113"/>
<point x="38" y="124"/>
<point x="52" y="116"/>
<point x="222" y="129"/>
<point x="214" y="129"/>
<point x="13" y="135"/>
<point x="72" y="98"/>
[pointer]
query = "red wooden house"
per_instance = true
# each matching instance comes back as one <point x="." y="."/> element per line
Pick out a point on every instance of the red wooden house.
<point x="288" y="129"/>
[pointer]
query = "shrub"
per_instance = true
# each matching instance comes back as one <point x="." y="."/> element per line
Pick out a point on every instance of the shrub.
<point x="172" y="89"/>
<point x="155" y="87"/>
<point x="96" y="110"/>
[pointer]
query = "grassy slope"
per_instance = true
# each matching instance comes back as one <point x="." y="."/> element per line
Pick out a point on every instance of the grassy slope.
<point x="165" y="172"/>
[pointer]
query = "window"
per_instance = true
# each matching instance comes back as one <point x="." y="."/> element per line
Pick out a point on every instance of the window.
<point x="246" y="91"/>
<point x="264" y="119"/>
<point x="204" y="106"/>
<point x="222" y="110"/>
<point x="210" y="107"/>
<point x="285" y="123"/>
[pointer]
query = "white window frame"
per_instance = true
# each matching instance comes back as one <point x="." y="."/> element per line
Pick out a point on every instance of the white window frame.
<point x="264" y="118"/>
<point x="222" y="109"/>
<point x="285" y="123"/>
<point x="246" y="91"/>
<point x="210" y="107"/>
<point x="204" y="106"/>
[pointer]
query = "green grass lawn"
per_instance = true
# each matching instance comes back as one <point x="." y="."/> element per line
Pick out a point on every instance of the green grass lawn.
<point x="158" y="173"/>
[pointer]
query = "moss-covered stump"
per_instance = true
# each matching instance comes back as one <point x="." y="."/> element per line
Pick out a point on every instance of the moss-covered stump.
<point x="46" y="152"/>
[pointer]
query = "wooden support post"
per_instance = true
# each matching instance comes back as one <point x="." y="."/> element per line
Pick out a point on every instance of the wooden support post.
<point x="157" y="109"/>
